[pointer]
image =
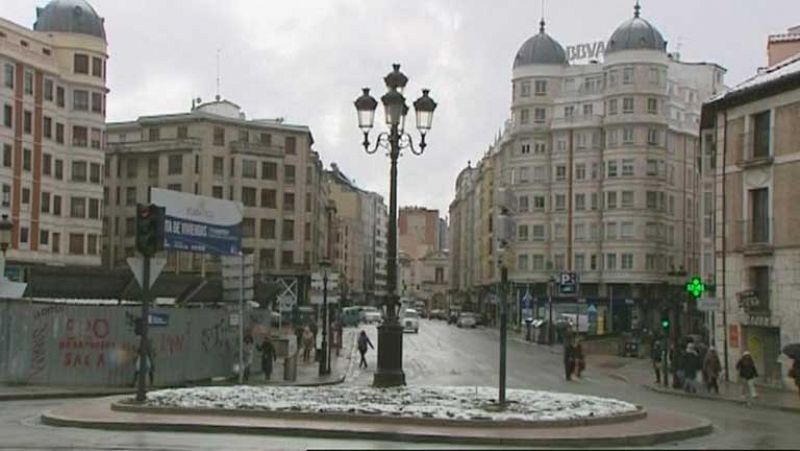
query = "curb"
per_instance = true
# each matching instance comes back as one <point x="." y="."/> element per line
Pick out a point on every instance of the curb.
<point x="762" y="405"/>
<point x="122" y="406"/>
<point x="703" y="428"/>
<point x="619" y="377"/>
<point x="61" y="395"/>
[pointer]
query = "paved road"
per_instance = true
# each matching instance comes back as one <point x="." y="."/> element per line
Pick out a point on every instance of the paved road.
<point x="440" y="355"/>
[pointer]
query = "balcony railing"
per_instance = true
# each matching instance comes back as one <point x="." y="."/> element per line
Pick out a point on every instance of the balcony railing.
<point x="578" y="120"/>
<point x="255" y="148"/>
<point x="755" y="302"/>
<point x="754" y="149"/>
<point x="156" y="146"/>
<point x="754" y="234"/>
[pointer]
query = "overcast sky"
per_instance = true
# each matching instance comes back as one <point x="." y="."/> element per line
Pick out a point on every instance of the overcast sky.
<point x="307" y="60"/>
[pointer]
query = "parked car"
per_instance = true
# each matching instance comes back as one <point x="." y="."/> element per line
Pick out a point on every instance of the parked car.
<point x="410" y="321"/>
<point x="467" y="320"/>
<point x="438" y="314"/>
<point x="371" y="315"/>
<point x="351" y="316"/>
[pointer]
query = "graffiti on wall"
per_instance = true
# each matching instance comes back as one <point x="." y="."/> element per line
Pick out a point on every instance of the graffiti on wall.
<point x="42" y="322"/>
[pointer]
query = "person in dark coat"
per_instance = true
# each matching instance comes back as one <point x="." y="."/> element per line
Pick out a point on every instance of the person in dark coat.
<point x="678" y="368"/>
<point x="656" y="356"/>
<point x="747" y="375"/>
<point x="580" y="358"/>
<point x="692" y="364"/>
<point x="363" y="343"/>
<point x="267" y="357"/>
<point x="796" y="373"/>
<point x="711" y="369"/>
<point x="569" y="358"/>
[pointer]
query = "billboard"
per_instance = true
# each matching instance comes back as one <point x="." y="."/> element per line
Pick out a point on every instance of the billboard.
<point x="200" y="224"/>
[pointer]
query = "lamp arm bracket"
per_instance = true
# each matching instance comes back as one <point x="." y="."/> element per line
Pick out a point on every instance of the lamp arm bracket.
<point x="381" y="142"/>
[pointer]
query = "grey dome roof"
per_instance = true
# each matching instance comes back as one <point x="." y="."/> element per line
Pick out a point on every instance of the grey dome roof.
<point x="636" y="34"/>
<point x="540" y="49"/>
<point x="70" y="16"/>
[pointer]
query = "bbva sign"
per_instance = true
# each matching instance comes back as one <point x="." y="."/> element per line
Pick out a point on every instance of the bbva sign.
<point x="593" y="50"/>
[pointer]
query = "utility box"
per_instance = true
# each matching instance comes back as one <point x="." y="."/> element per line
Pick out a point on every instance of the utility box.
<point x="290" y="368"/>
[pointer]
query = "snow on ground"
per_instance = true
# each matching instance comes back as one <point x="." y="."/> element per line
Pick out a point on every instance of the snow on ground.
<point x="459" y="403"/>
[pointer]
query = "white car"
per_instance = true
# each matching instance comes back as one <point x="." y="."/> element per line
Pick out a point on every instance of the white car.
<point x="467" y="320"/>
<point x="371" y="315"/>
<point x="410" y="321"/>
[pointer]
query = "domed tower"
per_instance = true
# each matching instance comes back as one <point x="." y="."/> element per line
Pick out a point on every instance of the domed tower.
<point x="70" y="16"/>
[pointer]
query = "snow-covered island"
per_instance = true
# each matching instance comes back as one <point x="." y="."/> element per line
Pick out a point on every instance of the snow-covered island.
<point x="449" y="403"/>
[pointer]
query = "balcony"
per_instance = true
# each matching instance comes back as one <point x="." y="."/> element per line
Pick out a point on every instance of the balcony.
<point x="255" y="148"/>
<point x="754" y="236"/>
<point x="576" y="121"/>
<point x="163" y="145"/>
<point x="755" y="304"/>
<point x="754" y="149"/>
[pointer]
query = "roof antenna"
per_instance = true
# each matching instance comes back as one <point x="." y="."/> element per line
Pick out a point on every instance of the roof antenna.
<point x="541" y="22"/>
<point x="636" y="9"/>
<point x="218" y="96"/>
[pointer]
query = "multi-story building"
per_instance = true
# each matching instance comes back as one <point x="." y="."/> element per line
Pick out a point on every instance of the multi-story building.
<point x="443" y="243"/>
<point x="53" y="93"/>
<point x="360" y="254"/>
<point x="418" y="231"/>
<point x="462" y="248"/>
<point x="781" y="47"/>
<point x="214" y="150"/>
<point x="602" y="158"/>
<point x="752" y="131"/>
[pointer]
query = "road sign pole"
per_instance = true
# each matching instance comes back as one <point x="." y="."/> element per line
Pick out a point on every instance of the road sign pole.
<point x="503" y="331"/>
<point x="141" y="392"/>
<point x="241" y="323"/>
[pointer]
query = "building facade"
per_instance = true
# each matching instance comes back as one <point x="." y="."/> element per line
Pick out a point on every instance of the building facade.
<point x="602" y="159"/>
<point x="214" y="150"/>
<point x="53" y="93"/>
<point x="752" y="128"/>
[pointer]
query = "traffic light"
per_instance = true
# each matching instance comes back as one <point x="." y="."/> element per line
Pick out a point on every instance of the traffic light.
<point x="149" y="229"/>
<point x="665" y="321"/>
<point x="695" y="287"/>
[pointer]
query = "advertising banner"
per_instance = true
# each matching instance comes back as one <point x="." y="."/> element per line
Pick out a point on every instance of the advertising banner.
<point x="200" y="224"/>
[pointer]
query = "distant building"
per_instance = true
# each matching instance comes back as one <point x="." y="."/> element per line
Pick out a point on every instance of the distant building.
<point x="215" y="151"/>
<point x="781" y="47"/>
<point x="443" y="234"/>
<point x="418" y="231"/>
<point x="53" y="94"/>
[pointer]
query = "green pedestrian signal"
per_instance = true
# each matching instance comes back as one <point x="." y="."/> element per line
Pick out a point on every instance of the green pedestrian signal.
<point x="696" y="287"/>
<point x="665" y="324"/>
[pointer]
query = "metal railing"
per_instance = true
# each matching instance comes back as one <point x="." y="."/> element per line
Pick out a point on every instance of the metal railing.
<point x="754" y="148"/>
<point x="753" y="233"/>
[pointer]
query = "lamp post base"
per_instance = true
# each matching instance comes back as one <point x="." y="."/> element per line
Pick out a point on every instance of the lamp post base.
<point x="390" y="356"/>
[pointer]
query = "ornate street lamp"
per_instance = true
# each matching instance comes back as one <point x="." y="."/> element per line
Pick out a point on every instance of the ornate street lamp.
<point x="390" y="333"/>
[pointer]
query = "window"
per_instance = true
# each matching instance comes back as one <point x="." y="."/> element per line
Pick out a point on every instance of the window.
<point x="761" y="139"/>
<point x="611" y="200"/>
<point x="540" y="87"/>
<point x="60" y="96"/>
<point x="611" y="262"/>
<point x="287" y="258"/>
<point x="612" y="107"/>
<point x="7" y="155"/>
<point x="560" y="201"/>
<point x="80" y="136"/>
<point x="175" y="187"/>
<point x="97" y="67"/>
<point x="57" y="205"/>
<point x="652" y="167"/>
<point x="132" y="168"/>
<point x="248" y="227"/>
<point x="627" y="199"/>
<point x="627" y="261"/>
<point x="268" y="229"/>
<point x="611" y="168"/>
<point x="8" y="115"/>
<point x="308" y="203"/>
<point x="9" y="76"/>
<point x="611" y="231"/>
<point x="47" y="164"/>
<point x="539" y="174"/>
<point x="569" y="111"/>
<point x="59" y="133"/>
<point x="266" y="139"/>
<point x="288" y="230"/>
<point x="288" y="174"/>
<point x="537" y="232"/>
<point x="248" y="196"/>
<point x="56" y="243"/>
<point x="654" y="76"/>
<point x="627" y="75"/>
<point x="183" y="132"/>
<point x="522" y="262"/>
<point x="78" y="171"/>
<point x="91" y="244"/>
<point x="594" y="201"/>
<point x="525" y="147"/>
<point x="652" y="105"/>
<point x="588" y="109"/>
<point x="152" y="167"/>
<point x="524" y="116"/>
<point x="538" y="262"/>
<point x="580" y="231"/>
<point x="76" y="243"/>
<point x="580" y="202"/>
<point x="249" y="169"/>
<point x="612" y="78"/>
<point x="759" y="216"/>
<point x="288" y="201"/>
<point x="558" y="261"/>
<point x="26" y="196"/>
<point x="175" y="164"/>
<point x="539" y="115"/>
<point x="627" y="105"/>
<point x="627" y="135"/>
<point x="28" y="83"/>
<point x="525" y="89"/>
<point x="80" y="100"/>
<point x="94" y="208"/>
<point x="26" y="159"/>
<point x="27" y="121"/>
<point x="538" y="203"/>
<point x="48" y="89"/>
<point x="217" y="192"/>
<point x="580" y="171"/>
<point x="269" y="170"/>
<point x="47" y="126"/>
<point x="561" y="173"/>
<point x="628" y="167"/>
<point x="539" y="147"/>
<point x="626" y="230"/>
<point x="97" y="102"/>
<point x="44" y="237"/>
<point x="594" y="231"/>
<point x="652" y="200"/>
<point x="580" y="262"/>
<point x="77" y="208"/>
<point x="23" y="235"/>
<point x="219" y="136"/>
<point x="218" y="166"/>
<point x="522" y="233"/>
<point x="291" y="145"/>
<point x="130" y="196"/>
<point x="81" y="64"/>
<point x="45" y="202"/>
<point x="269" y="198"/>
<point x="652" y="136"/>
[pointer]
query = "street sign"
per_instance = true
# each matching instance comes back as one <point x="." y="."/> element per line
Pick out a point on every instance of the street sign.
<point x="591" y="309"/>
<point x="232" y="277"/>
<point x="158" y="319"/>
<point x="568" y="283"/>
<point x="233" y="319"/>
<point x="285" y="302"/>
<point x="708" y="304"/>
<point x="137" y="267"/>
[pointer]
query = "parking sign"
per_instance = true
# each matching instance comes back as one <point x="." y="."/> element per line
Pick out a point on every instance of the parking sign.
<point x="568" y="283"/>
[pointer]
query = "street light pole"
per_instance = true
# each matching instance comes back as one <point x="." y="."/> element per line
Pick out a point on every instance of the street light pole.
<point x="390" y="333"/>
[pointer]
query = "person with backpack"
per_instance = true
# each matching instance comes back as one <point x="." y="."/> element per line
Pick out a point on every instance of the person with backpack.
<point x="268" y="356"/>
<point x="747" y="375"/>
<point x="363" y="343"/>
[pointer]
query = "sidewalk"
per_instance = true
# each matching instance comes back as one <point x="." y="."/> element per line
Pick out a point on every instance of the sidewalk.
<point x="307" y="375"/>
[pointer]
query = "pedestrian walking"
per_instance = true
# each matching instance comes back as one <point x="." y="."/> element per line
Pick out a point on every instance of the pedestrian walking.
<point x="657" y="357"/>
<point x="747" y="375"/>
<point x="149" y="367"/>
<point x="580" y="358"/>
<point x="268" y="356"/>
<point x="692" y="364"/>
<point x="711" y="369"/>
<point x="363" y="343"/>
<point x="569" y="358"/>
<point x="247" y="356"/>
<point x="794" y="373"/>
<point x="678" y="368"/>
<point x="308" y="343"/>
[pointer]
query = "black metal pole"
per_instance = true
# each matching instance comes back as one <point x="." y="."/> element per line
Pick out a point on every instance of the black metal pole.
<point x="503" y="331"/>
<point x="550" y="323"/>
<point x="141" y="392"/>
<point x="323" y="359"/>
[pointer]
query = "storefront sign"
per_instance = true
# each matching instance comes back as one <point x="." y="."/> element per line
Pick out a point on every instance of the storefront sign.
<point x="591" y="51"/>
<point x="733" y="335"/>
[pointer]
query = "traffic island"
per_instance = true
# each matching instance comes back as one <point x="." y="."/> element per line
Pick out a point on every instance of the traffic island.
<point x="456" y="415"/>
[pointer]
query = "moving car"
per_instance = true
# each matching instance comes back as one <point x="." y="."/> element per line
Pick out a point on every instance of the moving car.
<point x="351" y="316"/>
<point x="371" y="315"/>
<point x="467" y="319"/>
<point x="410" y="321"/>
<point x="438" y="314"/>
